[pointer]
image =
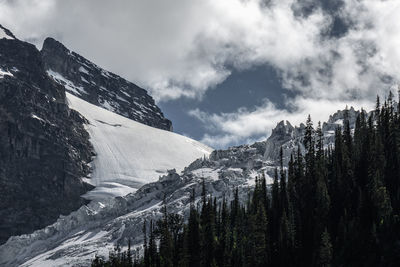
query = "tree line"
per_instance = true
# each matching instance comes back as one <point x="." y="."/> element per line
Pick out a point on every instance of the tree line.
<point x="331" y="206"/>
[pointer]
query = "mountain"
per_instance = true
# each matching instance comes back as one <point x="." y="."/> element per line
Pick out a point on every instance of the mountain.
<point x="130" y="154"/>
<point x="290" y="138"/>
<point x="98" y="226"/>
<point x="97" y="86"/>
<point x="127" y="156"/>
<point x="44" y="148"/>
<point x="94" y="229"/>
<point x="55" y="146"/>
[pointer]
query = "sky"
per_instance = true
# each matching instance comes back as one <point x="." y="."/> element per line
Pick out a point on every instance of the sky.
<point x="226" y="71"/>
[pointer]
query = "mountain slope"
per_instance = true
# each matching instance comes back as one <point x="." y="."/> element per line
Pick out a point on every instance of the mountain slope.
<point x="44" y="148"/>
<point x="97" y="227"/>
<point x="45" y="152"/>
<point x="131" y="154"/>
<point x="95" y="85"/>
<point x="291" y="137"/>
<point x="94" y="229"/>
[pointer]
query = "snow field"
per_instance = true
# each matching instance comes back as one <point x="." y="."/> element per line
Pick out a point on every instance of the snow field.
<point x="131" y="154"/>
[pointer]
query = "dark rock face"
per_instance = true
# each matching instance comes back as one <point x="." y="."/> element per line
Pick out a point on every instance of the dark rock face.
<point x="100" y="87"/>
<point x="286" y="136"/>
<point x="291" y="138"/>
<point x="44" y="148"/>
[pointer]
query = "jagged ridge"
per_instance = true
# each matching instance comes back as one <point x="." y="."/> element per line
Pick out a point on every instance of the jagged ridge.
<point x="100" y="87"/>
<point x="290" y="138"/>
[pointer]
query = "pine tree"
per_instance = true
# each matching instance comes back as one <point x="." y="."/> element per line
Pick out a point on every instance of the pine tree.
<point x="282" y="186"/>
<point x="261" y="250"/>
<point x="152" y="247"/>
<point x="145" y="247"/>
<point x="165" y="246"/>
<point x="325" y="251"/>
<point x="333" y="207"/>
<point x="129" y="254"/>
<point x="276" y="211"/>
<point x="193" y="237"/>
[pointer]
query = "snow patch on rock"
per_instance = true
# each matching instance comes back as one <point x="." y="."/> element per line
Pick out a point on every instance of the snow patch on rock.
<point x="5" y="72"/>
<point x="69" y="86"/>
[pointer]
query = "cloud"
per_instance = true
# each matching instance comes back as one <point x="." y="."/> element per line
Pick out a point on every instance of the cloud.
<point x="175" y="49"/>
<point x="184" y="48"/>
<point x="362" y="63"/>
<point x="247" y="126"/>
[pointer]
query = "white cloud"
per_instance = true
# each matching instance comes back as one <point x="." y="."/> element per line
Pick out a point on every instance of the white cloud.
<point x="184" y="48"/>
<point x="175" y="49"/>
<point x="362" y="63"/>
<point x="246" y="126"/>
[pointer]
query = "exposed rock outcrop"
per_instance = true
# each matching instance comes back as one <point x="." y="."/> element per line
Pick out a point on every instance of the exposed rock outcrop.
<point x="290" y="138"/>
<point x="100" y="87"/>
<point x="44" y="148"/>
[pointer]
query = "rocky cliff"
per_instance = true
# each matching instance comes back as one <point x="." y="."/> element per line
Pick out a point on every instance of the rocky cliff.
<point x="44" y="148"/>
<point x="100" y="87"/>
<point x="290" y="137"/>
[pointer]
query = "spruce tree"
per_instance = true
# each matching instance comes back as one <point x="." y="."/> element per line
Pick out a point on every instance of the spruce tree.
<point x="325" y="251"/>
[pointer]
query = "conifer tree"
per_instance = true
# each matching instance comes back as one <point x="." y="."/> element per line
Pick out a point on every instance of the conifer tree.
<point x="325" y="251"/>
<point x="193" y="237"/>
<point x="337" y="206"/>
<point x="165" y="246"/>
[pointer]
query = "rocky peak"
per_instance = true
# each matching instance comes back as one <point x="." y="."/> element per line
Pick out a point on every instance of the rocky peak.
<point x="291" y="138"/>
<point x="283" y="130"/>
<point x="283" y="135"/>
<point x="44" y="148"/>
<point x="338" y="117"/>
<point x="21" y="60"/>
<point x="100" y="87"/>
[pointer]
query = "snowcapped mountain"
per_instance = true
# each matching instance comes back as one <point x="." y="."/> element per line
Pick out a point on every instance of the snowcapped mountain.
<point x="97" y="86"/>
<point x="53" y="142"/>
<point x="75" y="239"/>
<point x="70" y="126"/>
<point x="131" y="154"/>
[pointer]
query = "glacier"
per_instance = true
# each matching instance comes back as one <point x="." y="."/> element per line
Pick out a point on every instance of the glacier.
<point x="94" y="229"/>
<point x="130" y="154"/>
